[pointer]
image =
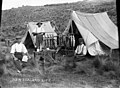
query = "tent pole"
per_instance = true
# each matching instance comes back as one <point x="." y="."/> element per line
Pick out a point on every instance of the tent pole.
<point x="72" y="36"/>
<point x="110" y="54"/>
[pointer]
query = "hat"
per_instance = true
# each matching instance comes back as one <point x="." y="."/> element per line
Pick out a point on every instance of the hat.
<point x="39" y="23"/>
<point x="18" y="37"/>
<point x="80" y="40"/>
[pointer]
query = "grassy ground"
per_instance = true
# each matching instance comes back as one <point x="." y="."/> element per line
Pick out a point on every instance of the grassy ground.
<point x="57" y="76"/>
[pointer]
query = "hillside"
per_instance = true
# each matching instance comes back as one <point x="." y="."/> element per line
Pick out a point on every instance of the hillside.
<point x="65" y="71"/>
<point x="14" y="20"/>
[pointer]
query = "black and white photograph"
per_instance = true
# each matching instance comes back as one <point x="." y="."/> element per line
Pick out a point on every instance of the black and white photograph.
<point x="59" y="44"/>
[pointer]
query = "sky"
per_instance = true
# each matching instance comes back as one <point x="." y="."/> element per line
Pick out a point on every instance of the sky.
<point x="8" y="4"/>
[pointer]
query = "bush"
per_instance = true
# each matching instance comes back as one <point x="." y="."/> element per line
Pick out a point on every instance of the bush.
<point x="96" y="63"/>
<point x="2" y="56"/>
<point x="2" y="62"/>
<point x="85" y="67"/>
<point x="68" y="63"/>
<point x="99" y="61"/>
<point x="107" y="66"/>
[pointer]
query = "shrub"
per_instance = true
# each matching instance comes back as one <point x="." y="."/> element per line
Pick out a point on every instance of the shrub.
<point x="2" y="62"/>
<point x="99" y="61"/>
<point x="85" y="67"/>
<point x="109" y="67"/>
<point x="96" y="63"/>
<point x="2" y="56"/>
<point x="68" y="63"/>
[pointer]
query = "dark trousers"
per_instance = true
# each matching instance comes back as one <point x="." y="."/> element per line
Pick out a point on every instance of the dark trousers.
<point x="18" y="64"/>
<point x="39" y="41"/>
<point x="25" y="64"/>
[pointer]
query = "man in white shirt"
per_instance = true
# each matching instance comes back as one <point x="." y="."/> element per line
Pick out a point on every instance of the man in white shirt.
<point x="39" y="32"/>
<point x="81" y="48"/>
<point x="18" y="50"/>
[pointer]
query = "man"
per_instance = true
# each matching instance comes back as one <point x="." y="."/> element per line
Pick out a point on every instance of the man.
<point x="39" y="32"/>
<point x="18" y="50"/>
<point x="81" y="48"/>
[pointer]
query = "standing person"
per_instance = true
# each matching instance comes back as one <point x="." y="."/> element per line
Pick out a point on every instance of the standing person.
<point x="18" y="50"/>
<point x="39" y="32"/>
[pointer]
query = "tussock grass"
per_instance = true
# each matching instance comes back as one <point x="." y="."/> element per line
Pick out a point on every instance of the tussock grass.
<point x="94" y="71"/>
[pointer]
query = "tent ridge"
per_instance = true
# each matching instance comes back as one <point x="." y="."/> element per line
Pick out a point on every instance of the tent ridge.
<point x="81" y="20"/>
<point x="88" y="14"/>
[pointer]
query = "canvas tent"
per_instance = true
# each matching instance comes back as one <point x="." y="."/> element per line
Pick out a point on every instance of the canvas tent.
<point x="29" y="40"/>
<point x="93" y="28"/>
